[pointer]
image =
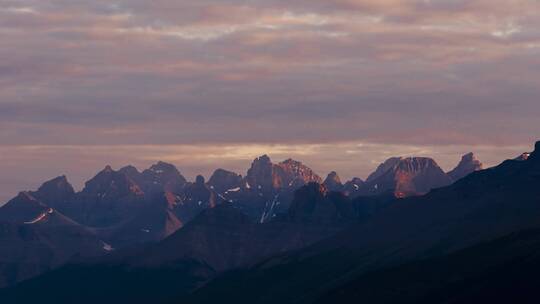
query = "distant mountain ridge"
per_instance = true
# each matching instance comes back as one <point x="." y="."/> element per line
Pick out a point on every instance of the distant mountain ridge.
<point x="127" y="207"/>
<point x="468" y="164"/>
<point x="404" y="177"/>
<point x="325" y="243"/>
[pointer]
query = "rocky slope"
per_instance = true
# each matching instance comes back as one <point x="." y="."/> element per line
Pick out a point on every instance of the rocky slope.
<point x="222" y="180"/>
<point x="468" y="164"/>
<point x="333" y="182"/>
<point x="406" y="177"/>
<point x="35" y="238"/>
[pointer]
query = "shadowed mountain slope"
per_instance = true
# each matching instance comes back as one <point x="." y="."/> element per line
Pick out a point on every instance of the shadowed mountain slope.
<point x="35" y="238"/>
<point x="468" y="164"/>
<point x="218" y="240"/>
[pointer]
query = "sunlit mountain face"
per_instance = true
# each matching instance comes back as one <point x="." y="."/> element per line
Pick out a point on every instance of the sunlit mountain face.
<point x="268" y="151"/>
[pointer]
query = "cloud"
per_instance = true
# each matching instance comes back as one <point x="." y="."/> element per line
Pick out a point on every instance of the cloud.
<point x="310" y="72"/>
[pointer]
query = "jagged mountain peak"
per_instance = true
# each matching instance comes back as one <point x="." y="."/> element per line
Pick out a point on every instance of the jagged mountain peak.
<point x="55" y="192"/>
<point x="59" y="179"/>
<point x="262" y="161"/>
<point x="263" y="158"/>
<point x="223" y="180"/>
<point x="405" y="164"/>
<point x="535" y="155"/>
<point x="416" y="163"/>
<point x="333" y="182"/>
<point x="384" y="167"/>
<point x="104" y="173"/>
<point x="161" y="165"/>
<point x="469" y="157"/>
<point x="59" y="183"/>
<point x="196" y="197"/>
<point x="129" y="170"/>
<point x="199" y="180"/>
<point x="296" y="173"/>
<point x="222" y="173"/>
<point x="407" y="176"/>
<point x="333" y="176"/>
<point x="468" y="164"/>
<point x="261" y="174"/>
<point x="112" y="184"/>
<point x="292" y="162"/>
<point x="163" y="176"/>
<point x="22" y="208"/>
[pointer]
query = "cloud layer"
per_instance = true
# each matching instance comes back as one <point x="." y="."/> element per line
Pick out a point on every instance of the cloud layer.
<point x="311" y="72"/>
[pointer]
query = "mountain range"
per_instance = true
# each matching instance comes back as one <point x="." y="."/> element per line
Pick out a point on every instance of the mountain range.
<point x="279" y="234"/>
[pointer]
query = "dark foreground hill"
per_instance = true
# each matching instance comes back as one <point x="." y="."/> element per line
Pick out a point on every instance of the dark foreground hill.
<point x="504" y="270"/>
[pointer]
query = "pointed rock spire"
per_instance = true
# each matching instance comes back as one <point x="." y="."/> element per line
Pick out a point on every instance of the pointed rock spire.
<point x="333" y="182"/>
<point x="55" y="192"/>
<point x="468" y="164"/>
<point x="535" y="155"/>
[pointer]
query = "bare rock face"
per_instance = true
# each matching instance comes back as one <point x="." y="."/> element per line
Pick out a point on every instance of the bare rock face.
<point x="333" y="182"/>
<point x="55" y="192"/>
<point x="407" y="177"/>
<point x="291" y="173"/>
<point x="383" y="168"/>
<point x="269" y="187"/>
<point x="133" y="173"/>
<point x="223" y="180"/>
<point x="261" y="174"/>
<point x="163" y="177"/>
<point x="110" y="185"/>
<point x="468" y="164"/>
<point x="196" y="197"/>
<point x="270" y="177"/>
<point x="109" y="198"/>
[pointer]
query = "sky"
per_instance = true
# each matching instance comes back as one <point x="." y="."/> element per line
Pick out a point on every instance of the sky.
<point x="338" y="84"/>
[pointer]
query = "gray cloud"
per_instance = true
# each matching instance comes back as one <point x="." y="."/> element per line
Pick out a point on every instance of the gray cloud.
<point x="425" y="73"/>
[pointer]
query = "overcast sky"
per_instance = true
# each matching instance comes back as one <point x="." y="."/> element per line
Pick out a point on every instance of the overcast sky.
<point x="338" y="84"/>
